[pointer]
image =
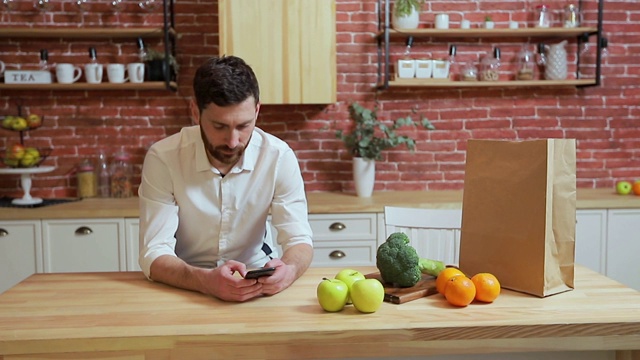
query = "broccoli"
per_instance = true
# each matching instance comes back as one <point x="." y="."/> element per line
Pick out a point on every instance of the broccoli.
<point x="400" y="264"/>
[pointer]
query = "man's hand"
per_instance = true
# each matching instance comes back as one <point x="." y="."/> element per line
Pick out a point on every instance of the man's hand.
<point x="281" y="279"/>
<point x="221" y="283"/>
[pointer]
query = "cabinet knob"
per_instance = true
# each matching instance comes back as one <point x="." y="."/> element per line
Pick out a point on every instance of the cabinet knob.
<point x="337" y="254"/>
<point x="84" y="230"/>
<point x="3" y="233"/>
<point x="337" y="226"/>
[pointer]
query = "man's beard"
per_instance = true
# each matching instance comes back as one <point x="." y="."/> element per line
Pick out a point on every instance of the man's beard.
<point x="223" y="153"/>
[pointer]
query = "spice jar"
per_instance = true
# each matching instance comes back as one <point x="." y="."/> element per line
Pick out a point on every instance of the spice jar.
<point x="526" y="65"/>
<point x="121" y="173"/>
<point x="543" y="16"/>
<point x="469" y="72"/>
<point x="86" y="179"/>
<point x="571" y="16"/>
<point x="490" y="67"/>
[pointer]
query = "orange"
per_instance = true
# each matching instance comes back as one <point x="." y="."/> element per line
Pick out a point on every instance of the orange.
<point x="636" y="187"/>
<point x="460" y="291"/>
<point x="444" y="276"/>
<point x="487" y="287"/>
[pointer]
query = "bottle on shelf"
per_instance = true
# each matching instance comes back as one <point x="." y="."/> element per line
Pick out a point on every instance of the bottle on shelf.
<point x="142" y="51"/>
<point x="490" y="66"/>
<point x="121" y="173"/>
<point x="44" y="60"/>
<point x="454" y="67"/>
<point x="102" y="174"/>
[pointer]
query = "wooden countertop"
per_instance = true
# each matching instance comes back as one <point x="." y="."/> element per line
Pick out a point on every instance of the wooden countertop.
<point x="123" y="315"/>
<point x="319" y="203"/>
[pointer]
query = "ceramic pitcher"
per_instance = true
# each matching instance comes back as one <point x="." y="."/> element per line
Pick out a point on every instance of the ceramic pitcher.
<point x="556" y="67"/>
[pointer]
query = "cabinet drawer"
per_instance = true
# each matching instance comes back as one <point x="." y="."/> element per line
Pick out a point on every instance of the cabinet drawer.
<point x="84" y="245"/>
<point x="343" y="227"/>
<point x="20" y="253"/>
<point x="344" y="253"/>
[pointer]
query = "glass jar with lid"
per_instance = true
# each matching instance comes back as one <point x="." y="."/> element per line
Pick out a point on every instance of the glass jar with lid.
<point x="490" y="67"/>
<point x="121" y="173"/>
<point x="86" y="179"/>
<point x="571" y="17"/>
<point x="526" y="65"/>
<point x="543" y="16"/>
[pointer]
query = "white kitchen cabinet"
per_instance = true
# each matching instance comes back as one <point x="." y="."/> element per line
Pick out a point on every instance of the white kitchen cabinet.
<point x="623" y="246"/>
<point x="84" y="245"/>
<point x="343" y="240"/>
<point x="591" y="239"/>
<point x="132" y="229"/>
<point x="20" y="251"/>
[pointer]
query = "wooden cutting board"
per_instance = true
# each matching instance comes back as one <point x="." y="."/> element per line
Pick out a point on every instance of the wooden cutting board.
<point x="399" y="295"/>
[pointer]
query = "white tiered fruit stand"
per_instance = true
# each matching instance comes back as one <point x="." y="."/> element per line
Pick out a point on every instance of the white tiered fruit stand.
<point x="25" y="182"/>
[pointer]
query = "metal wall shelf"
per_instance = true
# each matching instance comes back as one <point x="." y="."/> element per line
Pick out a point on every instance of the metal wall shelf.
<point x="386" y="35"/>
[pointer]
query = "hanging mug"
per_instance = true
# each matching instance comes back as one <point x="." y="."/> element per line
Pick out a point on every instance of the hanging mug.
<point x="2" y="67"/>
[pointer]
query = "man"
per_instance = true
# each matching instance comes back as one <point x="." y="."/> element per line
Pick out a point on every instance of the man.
<point x="206" y="193"/>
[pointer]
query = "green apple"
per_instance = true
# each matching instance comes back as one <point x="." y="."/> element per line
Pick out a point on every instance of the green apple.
<point x="367" y="295"/>
<point x="7" y="122"/>
<point x="19" y="124"/>
<point x="623" y="187"/>
<point x="34" y="121"/>
<point x="332" y="294"/>
<point x="349" y="276"/>
<point x="31" y="157"/>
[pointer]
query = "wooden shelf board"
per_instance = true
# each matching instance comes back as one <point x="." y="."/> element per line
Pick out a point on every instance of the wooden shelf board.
<point x="83" y="33"/>
<point x="484" y="33"/>
<point x="150" y="85"/>
<point x="479" y="84"/>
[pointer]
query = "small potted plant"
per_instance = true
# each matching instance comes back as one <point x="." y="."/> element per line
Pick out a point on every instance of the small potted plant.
<point x="370" y="138"/>
<point x="155" y="63"/>
<point x="488" y="22"/>
<point x="406" y="14"/>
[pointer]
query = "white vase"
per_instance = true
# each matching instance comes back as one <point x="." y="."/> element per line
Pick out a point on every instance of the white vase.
<point x="364" y="176"/>
<point x="410" y="21"/>
<point x="556" y="67"/>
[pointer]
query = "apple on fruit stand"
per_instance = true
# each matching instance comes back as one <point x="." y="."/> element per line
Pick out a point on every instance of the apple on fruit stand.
<point x="30" y="158"/>
<point x="16" y="152"/>
<point x="367" y="295"/>
<point x="332" y="294"/>
<point x="349" y="276"/>
<point x="19" y="124"/>
<point x="623" y="187"/>
<point x="34" y="121"/>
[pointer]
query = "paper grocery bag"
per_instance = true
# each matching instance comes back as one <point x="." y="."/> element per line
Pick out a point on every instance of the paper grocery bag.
<point x="519" y="213"/>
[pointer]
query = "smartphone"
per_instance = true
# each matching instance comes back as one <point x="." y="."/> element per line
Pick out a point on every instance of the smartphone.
<point x="254" y="274"/>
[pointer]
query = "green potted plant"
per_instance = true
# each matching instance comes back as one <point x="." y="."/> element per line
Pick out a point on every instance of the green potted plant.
<point x="370" y="138"/>
<point x="406" y="14"/>
<point x="155" y="63"/>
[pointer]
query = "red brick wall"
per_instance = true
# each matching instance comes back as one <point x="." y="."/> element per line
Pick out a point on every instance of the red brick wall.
<point x="603" y="119"/>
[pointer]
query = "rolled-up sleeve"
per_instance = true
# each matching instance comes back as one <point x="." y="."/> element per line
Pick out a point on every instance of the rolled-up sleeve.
<point x="158" y="212"/>
<point x="289" y="210"/>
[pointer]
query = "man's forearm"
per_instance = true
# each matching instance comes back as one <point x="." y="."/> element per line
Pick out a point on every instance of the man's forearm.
<point x="300" y="256"/>
<point x="174" y="271"/>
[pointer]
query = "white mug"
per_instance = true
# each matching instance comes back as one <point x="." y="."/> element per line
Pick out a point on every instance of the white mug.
<point x="442" y="21"/>
<point x="93" y="73"/>
<point x="68" y="73"/>
<point x="136" y="72"/>
<point x="115" y="73"/>
<point x="465" y="24"/>
<point x="513" y="25"/>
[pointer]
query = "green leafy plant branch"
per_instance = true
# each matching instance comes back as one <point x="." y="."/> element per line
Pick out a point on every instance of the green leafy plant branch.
<point x="371" y="137"/>
<point x="405" y="7"/>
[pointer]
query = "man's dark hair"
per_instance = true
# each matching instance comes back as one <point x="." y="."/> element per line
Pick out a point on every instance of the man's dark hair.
<point x="225" y="80"/>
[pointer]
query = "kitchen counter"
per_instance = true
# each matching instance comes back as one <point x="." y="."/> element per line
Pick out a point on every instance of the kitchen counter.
<point x="123" y="315"/>
<point x="319" y="203"/>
